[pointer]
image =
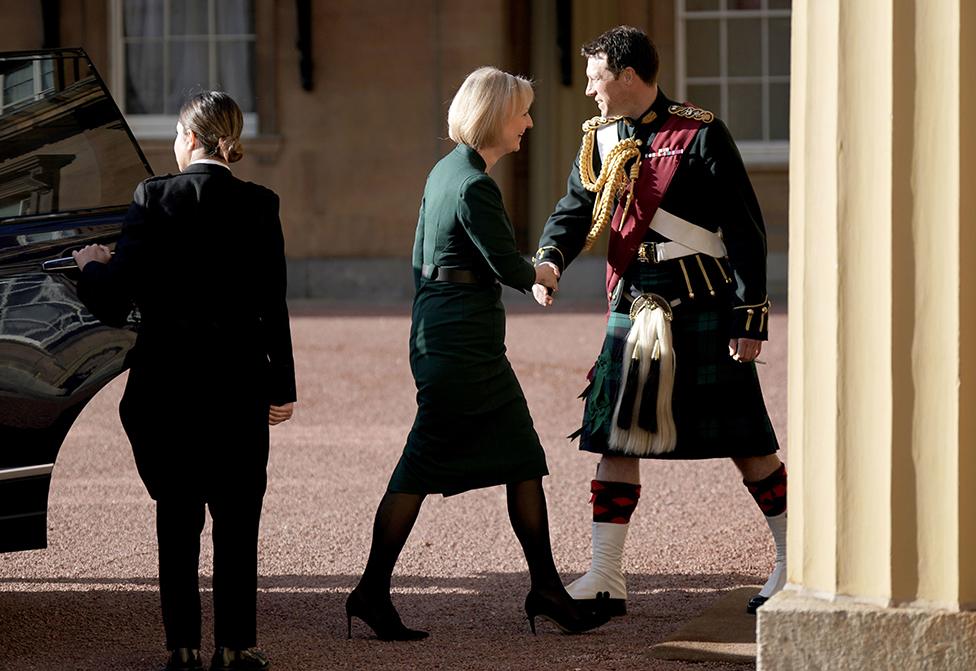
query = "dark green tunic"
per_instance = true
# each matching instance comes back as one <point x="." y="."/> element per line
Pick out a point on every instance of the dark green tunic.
<point x="717" y="402"/>
<point x="473" y="427"/>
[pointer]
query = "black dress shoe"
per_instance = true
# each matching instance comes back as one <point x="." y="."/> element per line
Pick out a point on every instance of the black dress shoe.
<point x="604" y="604"/>
<point x="184" y="659"/>
<point x="754" y="603"/>
<point x="568" y="614"/>
<point x="380" y="616"/>
<point x="230" y="659"/>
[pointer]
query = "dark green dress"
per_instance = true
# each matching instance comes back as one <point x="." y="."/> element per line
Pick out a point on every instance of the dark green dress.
<point x="473" y="427"/>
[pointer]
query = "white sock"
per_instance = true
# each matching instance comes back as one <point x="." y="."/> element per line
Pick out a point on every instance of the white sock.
<point x="777" y="526"/>
<point x="606" y="569"/>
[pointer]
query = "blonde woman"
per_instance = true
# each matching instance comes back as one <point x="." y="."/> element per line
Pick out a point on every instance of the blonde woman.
<point x="215" y="345"/>
<point x="472" y="427"/>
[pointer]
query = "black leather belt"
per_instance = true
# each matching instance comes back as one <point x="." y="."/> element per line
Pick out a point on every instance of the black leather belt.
<point x="456" y="275"/>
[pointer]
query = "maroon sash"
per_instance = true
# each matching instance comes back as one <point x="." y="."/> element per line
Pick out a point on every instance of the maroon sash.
<point x="658" y="167"/>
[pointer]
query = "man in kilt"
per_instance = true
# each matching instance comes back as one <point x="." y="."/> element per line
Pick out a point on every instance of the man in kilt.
<point x="686" y="286"/>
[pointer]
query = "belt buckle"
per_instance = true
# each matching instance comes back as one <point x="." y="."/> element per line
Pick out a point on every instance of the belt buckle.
<point x="647" y="252"/>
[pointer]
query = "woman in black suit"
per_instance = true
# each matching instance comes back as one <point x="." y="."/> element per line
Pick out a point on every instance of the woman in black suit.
<point x="202" y="257"/>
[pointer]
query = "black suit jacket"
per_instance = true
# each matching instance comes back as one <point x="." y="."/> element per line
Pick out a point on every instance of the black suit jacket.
<point x="202" y="257"/>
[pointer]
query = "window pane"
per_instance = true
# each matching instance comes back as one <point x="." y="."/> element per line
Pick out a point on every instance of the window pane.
<point x="188" y="17"/>
<point x="189" y="67"/>
<point x="702" y="48"/>
<point x="779" y="111"/>
<point x="739" y="5"/>
<point x="143" y="78"/>
<point x="779" y="46"/>
<point x="780" y="4"/>
<point x="745" y="47"/>
<point x="235" y="65"/>
<point x="18" y="84"/>
<point x="18" y="92"/>
<point x="143" y="18"/>
<point x="235" y="17"/>
<point x="47" y="74"/>
<point x="706" y="96"/>
<point x="744" y="117"/>
<point x="701" y="5"/>
<point x="14" y="208"/>
<point x="23" y="73"/>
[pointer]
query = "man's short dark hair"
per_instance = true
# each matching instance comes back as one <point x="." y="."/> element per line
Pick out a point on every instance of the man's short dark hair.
<point x="624" y="47"/>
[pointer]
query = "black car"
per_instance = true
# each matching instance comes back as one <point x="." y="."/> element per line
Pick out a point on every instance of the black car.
<point x="68" y="168"/>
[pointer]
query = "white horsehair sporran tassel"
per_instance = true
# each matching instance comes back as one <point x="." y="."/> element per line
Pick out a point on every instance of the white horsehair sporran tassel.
<point x="637" y="427"/>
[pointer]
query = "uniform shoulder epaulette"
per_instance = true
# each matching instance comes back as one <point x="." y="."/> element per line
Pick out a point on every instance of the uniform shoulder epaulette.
<point x="599" y="122"/>
<point x="692" y="112"/>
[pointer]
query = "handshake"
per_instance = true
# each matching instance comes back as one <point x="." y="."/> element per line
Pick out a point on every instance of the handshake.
<point x="546" y="283"/>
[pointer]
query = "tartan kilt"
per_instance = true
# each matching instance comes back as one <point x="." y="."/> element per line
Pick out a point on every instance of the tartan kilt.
<point x="717" y="403"/>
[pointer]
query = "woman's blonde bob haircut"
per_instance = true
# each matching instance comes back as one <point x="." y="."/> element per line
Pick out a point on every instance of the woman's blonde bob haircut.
<point x="486" y="100"/>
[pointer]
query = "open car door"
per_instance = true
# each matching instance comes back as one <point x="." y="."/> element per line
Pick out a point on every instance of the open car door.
<point x="68" y="167"/>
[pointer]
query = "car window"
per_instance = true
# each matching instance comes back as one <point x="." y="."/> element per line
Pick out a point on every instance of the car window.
<point x="63" y="143"/>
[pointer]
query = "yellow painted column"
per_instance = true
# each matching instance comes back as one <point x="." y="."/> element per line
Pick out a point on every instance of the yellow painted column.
<point x="882" y="399"/>
<point x="813" y="299"/>
<point x="967" y="298"/>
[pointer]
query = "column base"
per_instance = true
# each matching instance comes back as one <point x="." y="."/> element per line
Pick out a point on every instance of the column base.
<point x="797" y="632"/>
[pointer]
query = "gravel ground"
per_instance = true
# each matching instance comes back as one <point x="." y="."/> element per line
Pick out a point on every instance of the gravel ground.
<point x="90" y="600"/>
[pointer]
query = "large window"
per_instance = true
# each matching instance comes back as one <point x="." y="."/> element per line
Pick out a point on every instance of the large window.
<point x="167" y="50"/>
<point x="734" y="59"/>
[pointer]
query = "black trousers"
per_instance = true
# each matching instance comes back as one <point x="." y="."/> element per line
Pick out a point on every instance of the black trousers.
<point x="179" y="522"/>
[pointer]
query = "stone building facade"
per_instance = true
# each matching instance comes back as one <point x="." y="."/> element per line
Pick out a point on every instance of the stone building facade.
<point x="347" y="102"/>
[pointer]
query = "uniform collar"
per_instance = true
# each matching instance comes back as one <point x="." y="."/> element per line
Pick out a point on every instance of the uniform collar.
<point x="209" y="166"/>
<point x="656" y="112"/>
<point x="472" y="155"/>
<point x="650" y="120"/>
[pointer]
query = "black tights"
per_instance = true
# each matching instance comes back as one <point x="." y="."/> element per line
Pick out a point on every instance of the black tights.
<point x="530" y="521"/>
<point x="398" y="512"/>
<point x="395" y="517"/>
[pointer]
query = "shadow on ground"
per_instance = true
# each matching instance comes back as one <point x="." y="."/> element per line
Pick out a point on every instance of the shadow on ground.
<point x="475" y="623"/>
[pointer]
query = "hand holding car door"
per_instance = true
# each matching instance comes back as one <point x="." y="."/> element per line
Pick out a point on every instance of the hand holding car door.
<point x="88" y="253"/>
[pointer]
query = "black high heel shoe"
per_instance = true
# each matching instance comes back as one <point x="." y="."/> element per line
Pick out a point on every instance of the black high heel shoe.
<point x="382" y="618"/>
<point x="571" y="619"/>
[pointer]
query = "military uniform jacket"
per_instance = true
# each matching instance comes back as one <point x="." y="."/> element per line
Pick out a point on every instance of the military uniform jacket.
<point x="710" y="189"/>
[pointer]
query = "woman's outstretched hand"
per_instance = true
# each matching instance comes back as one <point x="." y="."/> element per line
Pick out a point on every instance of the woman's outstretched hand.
<point x="546" y="283"/>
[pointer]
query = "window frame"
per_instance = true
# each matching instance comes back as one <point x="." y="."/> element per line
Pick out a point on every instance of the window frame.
<point x="754" y="152"/>
<point x="163" y="126"/>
